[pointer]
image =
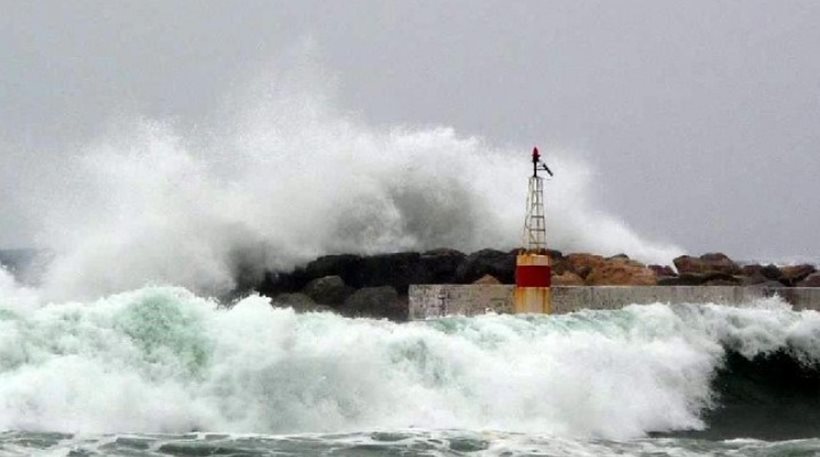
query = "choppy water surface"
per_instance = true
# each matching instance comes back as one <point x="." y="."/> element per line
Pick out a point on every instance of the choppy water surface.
<point x="161" y="371"/>
<point x="396" y="443"/>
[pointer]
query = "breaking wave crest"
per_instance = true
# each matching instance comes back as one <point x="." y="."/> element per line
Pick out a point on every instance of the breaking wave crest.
<point x="165" y="360"/>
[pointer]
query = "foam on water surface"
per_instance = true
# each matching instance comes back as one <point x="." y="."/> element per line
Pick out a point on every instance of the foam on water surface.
<point x="410" y="443"/>
<point x="163" y="360"/>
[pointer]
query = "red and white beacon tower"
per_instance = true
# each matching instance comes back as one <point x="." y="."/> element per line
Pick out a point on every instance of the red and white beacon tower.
<point x="532" y="266"/>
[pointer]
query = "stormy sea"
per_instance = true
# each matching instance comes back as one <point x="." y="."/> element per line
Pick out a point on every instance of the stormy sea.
<point x="162" y="371"/>
<point x="123" y="343"/>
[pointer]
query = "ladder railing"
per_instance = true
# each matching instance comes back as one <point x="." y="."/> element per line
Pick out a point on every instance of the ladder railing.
<point x="535" y="225"/>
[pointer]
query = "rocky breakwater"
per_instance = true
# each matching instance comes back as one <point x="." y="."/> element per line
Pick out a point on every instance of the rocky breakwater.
<point x="376" y="286"/>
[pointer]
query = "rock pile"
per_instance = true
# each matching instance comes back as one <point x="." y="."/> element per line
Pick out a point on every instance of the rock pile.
<point x="376" y="286"/>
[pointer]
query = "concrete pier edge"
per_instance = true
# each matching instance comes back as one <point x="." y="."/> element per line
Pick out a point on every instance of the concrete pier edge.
<point x="433" y="300"/>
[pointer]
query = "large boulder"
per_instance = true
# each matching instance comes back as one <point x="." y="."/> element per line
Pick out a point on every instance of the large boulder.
<point x="685" y="279"/>
<point x="346" y="266"/>
<point x="793" y="274"/>
<point x="753" y="279"/>
<point x="621" y="271"/>
<point x="707" y="263"/>
<point x="582" y="263"/>
<point x="771" y="272"/>
<point x="662" y="270"/>
<point x="557" y="261"/>
<point x="378" y="302"/>
<point x="328" y="290"/>
<point x="487" y="280"/>
<point x="397" y="270"/>
<point x="499" y="264"/>
<point x="560" y="266"/>
<point x="754" y="270"/>
<point x="720" y="279"/>
<point x="275" y="283"/>
<point x="568" y="278"/>
<point x="812" y="280"/>
<point x="770" y="285"/>
<point x="441" y="265"/>
<point x="718" y="262"/>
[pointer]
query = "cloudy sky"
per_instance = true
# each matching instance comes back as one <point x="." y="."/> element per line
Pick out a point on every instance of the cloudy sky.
<point x="701" y="119"/>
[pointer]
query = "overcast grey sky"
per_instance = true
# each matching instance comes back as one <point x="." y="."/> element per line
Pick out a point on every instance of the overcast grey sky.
<point x="701" y="118"/>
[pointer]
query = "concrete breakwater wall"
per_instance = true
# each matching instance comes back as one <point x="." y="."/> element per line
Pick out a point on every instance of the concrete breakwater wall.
<point x="433" y="300"/>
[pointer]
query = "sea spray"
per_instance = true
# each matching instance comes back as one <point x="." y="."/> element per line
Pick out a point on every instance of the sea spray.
<point x="15" y="296"/>
<point x="280" y="177"/>
<point x="165" y="360"/>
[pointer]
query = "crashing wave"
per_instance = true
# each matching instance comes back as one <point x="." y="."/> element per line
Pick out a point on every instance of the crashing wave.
<point x="165" y="360"/>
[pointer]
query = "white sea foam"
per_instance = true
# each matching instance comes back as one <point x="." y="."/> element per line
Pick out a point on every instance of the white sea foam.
<point x="282" y="176"/>
<point x="165" y="360"/>
<point x="15" y="296"/>
<point x="410" y="442"/>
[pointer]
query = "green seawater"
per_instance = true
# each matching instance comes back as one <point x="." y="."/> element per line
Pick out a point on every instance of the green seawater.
<point x="162" y="372"/>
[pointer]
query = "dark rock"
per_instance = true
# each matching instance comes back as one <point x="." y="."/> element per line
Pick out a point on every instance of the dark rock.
<point x="397" y="270"/>
<point x="441" y="264"/>
<point x="751" y="270"/>
<point x="328" y="290"/>
<point x="707" y="263"/>
<point x="724" y="277"/>
<point x="687" y="265"/>
<point x="689" y="279"/>
<point x="812" y="280"/>
<point x="346" y="266"/>
<point x="378" y="302"/>
<point x="772" y="272"/>
<point x="769" y="271"/>
<point x="662" y="270"/>
<point x="793" y="274"/>
<point x="487" y="262"/>
<point x="275" y="283"/>
<point x="720" y="263"/>
<point x="555" y="255"/>
<point x="682" y="280"/>
<point x="734" y="281"/>
<point x="769" y="285"/>
<point x="754" y="279"/>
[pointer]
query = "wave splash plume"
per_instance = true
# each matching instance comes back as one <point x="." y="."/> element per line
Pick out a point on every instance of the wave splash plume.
<point x="281" y="176"/>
